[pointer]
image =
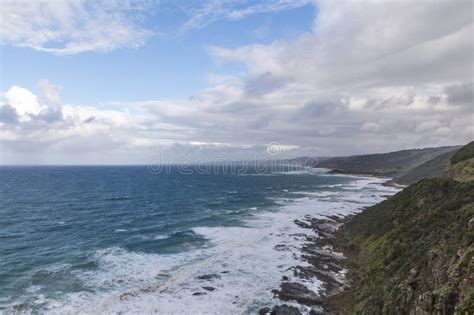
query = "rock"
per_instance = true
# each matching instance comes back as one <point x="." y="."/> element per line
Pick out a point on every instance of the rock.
<point x="470" y="224"/>
<point x="302" y="224"/>
<point x="299" y="293"/>
<point x="208" y="277"/>
<point x="264" y="311"/>
<point x="285" y="310"/>
<point x="19" y="307"/>
<point x="281" y="248"/>
<point x="331" y="285"/>
<point x="209" y="288"/>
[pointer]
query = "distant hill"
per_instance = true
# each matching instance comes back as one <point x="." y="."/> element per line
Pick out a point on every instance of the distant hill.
<point x="392" y="164"/>
<point x="458" y="164"/>
<point x="433" y="168"/>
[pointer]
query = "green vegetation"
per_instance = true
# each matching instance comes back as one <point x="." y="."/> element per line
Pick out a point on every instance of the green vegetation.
<point x="462" y="171"/>
<point x="466" y="152"/>
<point x="416" y="251"/>
<point x="461" y="166"/>
<point x="456" y="164"/>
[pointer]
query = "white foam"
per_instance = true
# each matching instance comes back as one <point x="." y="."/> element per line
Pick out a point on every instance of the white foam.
<point x="160" y="237"/>
<point x="156" y="237"/>
<point x="33" y="288"/>
<point x="249" y="262"/>
<point x="5" y="298"/>
<point x="316" y="193"/>
<point x="299" y="171"/>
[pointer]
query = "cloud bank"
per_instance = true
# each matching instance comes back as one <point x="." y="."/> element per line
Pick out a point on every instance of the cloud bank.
<point x="368" y="77"/>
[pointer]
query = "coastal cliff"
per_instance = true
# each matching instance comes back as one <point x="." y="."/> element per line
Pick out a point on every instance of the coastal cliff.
<point x="414" y="251"/>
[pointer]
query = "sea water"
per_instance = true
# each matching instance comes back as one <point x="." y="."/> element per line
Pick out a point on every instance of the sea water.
<point x="105" y="240"/>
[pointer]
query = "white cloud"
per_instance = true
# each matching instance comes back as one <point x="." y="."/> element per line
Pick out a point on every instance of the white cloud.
<point x="215" y="10"/>
<point x="50" y="93"/>
<point x="48" y="128"/>
<point x="391" y="66"/>
<point x="23" y="101"/>
<point x="311" y="59"/>
<point x="70" y="27"/>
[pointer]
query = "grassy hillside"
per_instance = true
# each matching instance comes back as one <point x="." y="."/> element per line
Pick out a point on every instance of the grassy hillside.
<point x="466" y="152"/>
<point x="392" y="164"/>
<point x="433" y="168"/>
<point x="461" y="166"/>
<point x="416" y="251"/>
<point x="462" y="171"/>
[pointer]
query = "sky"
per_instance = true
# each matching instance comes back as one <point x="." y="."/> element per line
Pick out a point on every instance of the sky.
<point x="139" y="82"/>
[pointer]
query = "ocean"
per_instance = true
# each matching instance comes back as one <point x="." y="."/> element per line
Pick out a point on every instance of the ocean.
<point x="127" y="239"/>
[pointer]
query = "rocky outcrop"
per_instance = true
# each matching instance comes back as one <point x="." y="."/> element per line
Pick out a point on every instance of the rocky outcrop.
<point x="293" y="291"/>
<point x="280" y="310"/>
<point x="322" y="263"/>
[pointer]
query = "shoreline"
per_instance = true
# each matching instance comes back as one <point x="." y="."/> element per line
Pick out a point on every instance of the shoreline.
<point x="389" y="183"/>
<point x="325" y="263"/>
<point x="328" y="259"/>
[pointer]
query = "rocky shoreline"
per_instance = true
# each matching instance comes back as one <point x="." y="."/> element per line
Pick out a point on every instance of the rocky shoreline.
<point x="321" y="262"/>
<point x="360" y="258"/>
